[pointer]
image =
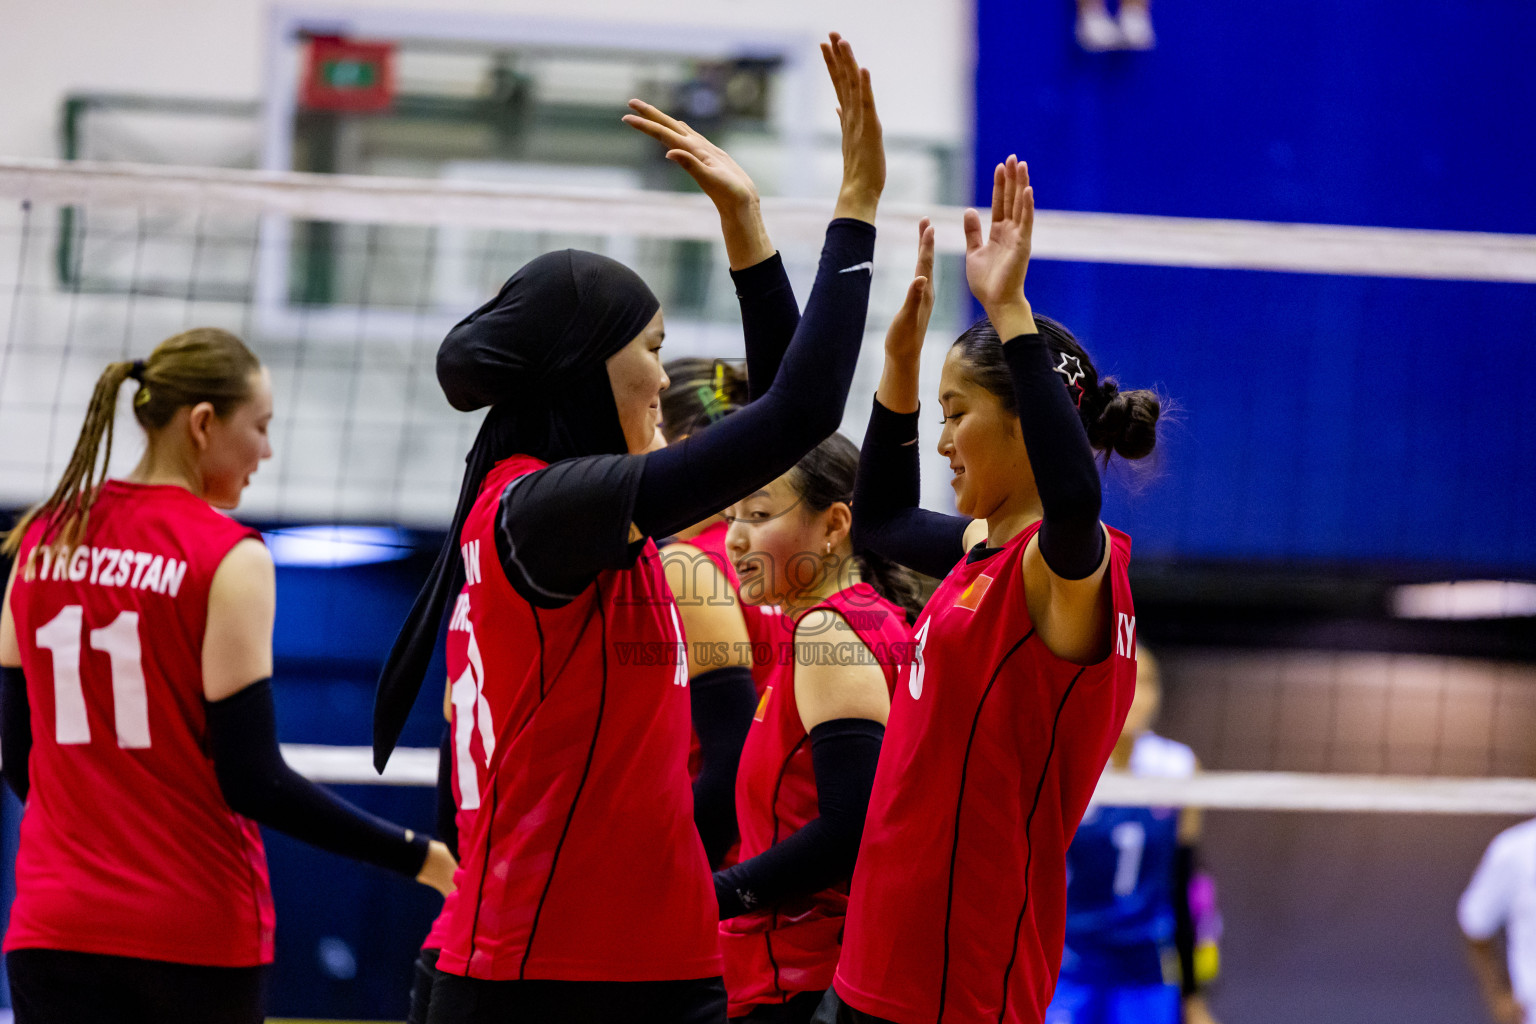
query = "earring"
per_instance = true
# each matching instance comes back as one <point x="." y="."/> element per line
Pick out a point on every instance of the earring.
<point x="829" y="547"/>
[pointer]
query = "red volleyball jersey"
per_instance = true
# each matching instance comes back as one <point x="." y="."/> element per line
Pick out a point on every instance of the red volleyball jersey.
<point x="767" y="627"/>
<point x="775" y="953"/>
<point x="958" y="906"/>
<point x="759" y="622"/>
<point x="712" y="543"/>
<point x="764" y="622"/>
<point x="438" y="934"/>
<point x="469" y="723"/>
<point x="582" y="862"/>
<point x="128" y="847"/>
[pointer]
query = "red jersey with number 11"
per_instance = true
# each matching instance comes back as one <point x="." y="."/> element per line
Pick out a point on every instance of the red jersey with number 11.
<point x="958" y="907"/>
<point x="469" y="722"/>
<point x="127" y="845"/>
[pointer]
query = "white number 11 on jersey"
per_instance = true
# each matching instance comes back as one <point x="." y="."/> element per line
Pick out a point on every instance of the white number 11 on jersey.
<point x="61" y="637"/>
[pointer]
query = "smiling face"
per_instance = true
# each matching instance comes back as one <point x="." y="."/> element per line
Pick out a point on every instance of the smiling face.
<point x="638" y="379"/>
<point x="982" y="441"/>
<point x="234" y="446"/>
<point x="781" y="549"/>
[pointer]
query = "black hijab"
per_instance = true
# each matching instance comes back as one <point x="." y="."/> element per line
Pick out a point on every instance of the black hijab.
<point x="536" y="354"/>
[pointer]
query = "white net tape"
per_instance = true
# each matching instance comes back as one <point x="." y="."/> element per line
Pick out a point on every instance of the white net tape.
<point x="1253" y="791"/>
<point x="361" y="435"/>
<point x="345" y="284"/>
<point x="1059" y="235"/>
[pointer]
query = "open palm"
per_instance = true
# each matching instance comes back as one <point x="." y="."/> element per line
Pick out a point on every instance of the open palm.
<point x="904" y="338"/>
<point x="995" y="265"/>
<point x="721" y="178"/>
<point x="863" y="136"/>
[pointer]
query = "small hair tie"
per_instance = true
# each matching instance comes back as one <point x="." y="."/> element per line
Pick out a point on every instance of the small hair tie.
<point x="137" y="370"/>
<point x="721" y="398"/>
<point x="706" y="400"/>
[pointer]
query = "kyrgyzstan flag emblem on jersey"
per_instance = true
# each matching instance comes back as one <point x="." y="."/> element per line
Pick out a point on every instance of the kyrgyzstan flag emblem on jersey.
<point x="974" y="593"/>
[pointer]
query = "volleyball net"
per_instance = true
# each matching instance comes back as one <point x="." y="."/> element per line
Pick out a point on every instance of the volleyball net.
<point x="345" y="285"/>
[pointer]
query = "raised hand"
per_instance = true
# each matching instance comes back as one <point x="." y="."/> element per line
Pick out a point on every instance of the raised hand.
<point x="995" y="265"/>
<point x="863" y="138"/>
<point x="898" y="389"/>
<point x="721" y="178"/>
<point x="904" y="338"/>
<point x="728" y="186"/>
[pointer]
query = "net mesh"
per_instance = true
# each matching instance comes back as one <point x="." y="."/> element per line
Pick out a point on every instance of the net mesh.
<point x="1346" y="795"/>
<point x="344" y="286"/>
<point x="346" y="313"/>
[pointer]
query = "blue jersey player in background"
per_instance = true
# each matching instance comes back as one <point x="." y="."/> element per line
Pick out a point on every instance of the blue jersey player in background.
<point x="1132" y="953"/>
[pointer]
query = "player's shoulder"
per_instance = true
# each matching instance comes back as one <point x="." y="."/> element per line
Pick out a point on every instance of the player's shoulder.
<point x="693" y="572"/>
<point x="249" y="553"/>
<point x="508" y="471"/>
<point x="246" y="570"/>
<point x="1156" y="756"/>
<point x="165" y="519"/>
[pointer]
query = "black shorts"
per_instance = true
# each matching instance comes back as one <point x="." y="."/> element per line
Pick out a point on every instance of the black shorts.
<point x="55" y="986"/>
<point x="798" y="1009"/>
<point x="834" y="1011"/>
<point x="457" y="1000"/>
<point x="422" y="984"/>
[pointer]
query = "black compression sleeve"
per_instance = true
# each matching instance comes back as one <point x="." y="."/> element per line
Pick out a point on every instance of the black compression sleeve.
<point x="769" y="317"/>
<point x="257" y="782"/>
<point x="844" y="753"/>
<point x="1071" y="540"/>
<point x="683" y="483"/>
<point x="723" y="700"/>
<point x="447" y="809"/>
<point x="1184" y="922"/>
<point x="15" y="731"/>
<point x="559" y="527"/>
<point x="886" y="492"/>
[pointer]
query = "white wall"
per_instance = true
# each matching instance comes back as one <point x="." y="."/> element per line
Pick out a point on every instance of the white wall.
<point x="919" y="51"/>
<point x="396" y="454"/>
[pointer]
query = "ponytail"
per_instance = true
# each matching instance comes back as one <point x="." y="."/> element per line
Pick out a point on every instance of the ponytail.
<point x="205" y="364"/>
<point x="70" y="505"/>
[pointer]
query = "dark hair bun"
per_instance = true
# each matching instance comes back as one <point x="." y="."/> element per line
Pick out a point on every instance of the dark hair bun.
<point x="1127" y="421"/>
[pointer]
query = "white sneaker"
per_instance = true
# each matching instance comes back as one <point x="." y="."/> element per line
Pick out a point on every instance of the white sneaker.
<point x="1136" y="28"/>
<point x="1097" y="31"/>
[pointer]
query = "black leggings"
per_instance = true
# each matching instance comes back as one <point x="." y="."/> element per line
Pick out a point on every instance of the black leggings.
<point x="834" y="1011"/>
<point x="798" y="1009"/>
<point x="423" y="984"/>
<point x="54" y="986"/>
<point x="457" y="1000"/>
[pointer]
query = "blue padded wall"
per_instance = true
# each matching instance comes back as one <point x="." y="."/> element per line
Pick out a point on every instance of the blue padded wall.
<point x="1325" y="419"/>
